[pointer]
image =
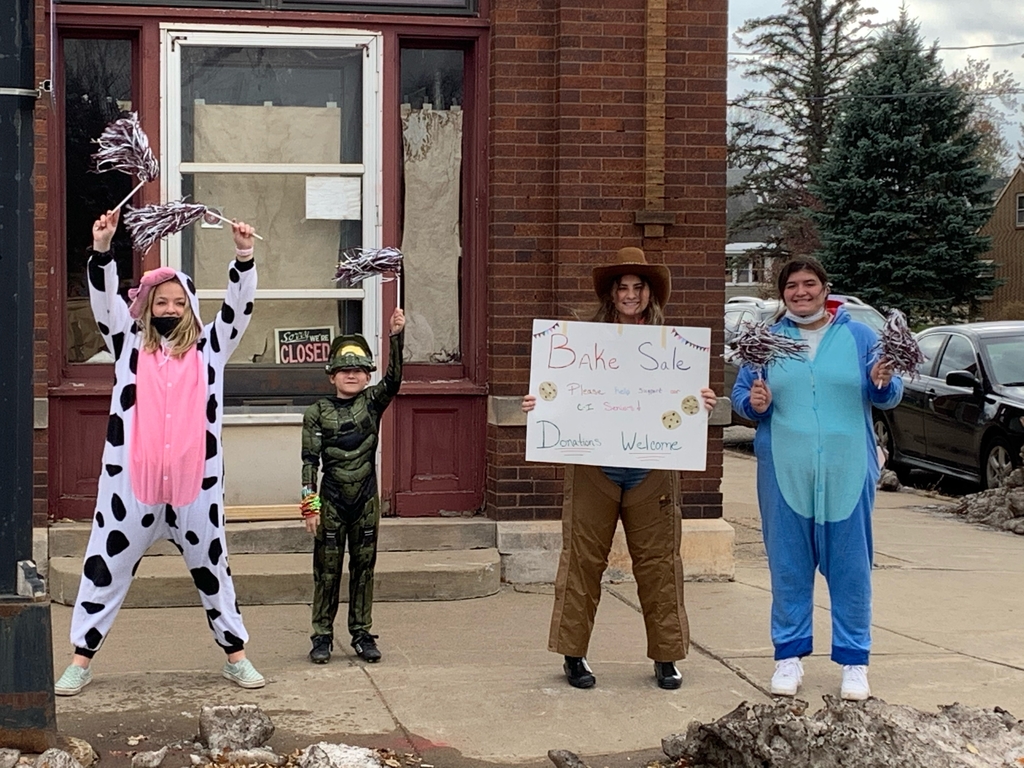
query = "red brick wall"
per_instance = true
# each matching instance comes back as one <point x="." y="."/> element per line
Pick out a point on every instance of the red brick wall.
<point x="40" y="462"/>
<point x="1006" y="252"/>
<point x="567" y="169"/>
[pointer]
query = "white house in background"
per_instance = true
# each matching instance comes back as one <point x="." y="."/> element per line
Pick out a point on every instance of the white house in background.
<point x="743" y="276"/>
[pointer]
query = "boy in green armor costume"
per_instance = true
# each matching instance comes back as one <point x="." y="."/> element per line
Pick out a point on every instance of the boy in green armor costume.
<point x="340" y="433"/>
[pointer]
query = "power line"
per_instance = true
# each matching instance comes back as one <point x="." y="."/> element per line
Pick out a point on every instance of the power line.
<point x="907" y="95"/>
<point x="971" y="47"/>
<point x="938" y="48"/>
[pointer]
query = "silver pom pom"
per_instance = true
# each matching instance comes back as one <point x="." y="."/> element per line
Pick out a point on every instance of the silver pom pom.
<point x="756" y="345"/>
<point x="357" y="264"/>
<point x="898" y="345"/>
<point x="124" y="147"/>
<point x="151" y="223"/>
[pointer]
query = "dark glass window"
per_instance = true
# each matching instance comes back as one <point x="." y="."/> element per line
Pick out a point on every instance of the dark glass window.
<point x="930" y="346"/>
<point x="1006" y="358"/>
<point x="958" y="356"/>
<point x="432" y="76"/>
<point x="439" y="7"/>
<point x="97" y="90"/>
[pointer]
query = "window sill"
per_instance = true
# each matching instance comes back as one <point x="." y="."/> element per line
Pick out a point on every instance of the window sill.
<point x="442" y="387"/>
<point x="246" y="417"/>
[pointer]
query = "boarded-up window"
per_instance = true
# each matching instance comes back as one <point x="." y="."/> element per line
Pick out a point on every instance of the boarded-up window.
<point x="432" y="133"/>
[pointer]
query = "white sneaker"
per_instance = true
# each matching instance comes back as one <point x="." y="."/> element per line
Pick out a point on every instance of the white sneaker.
<point x="244" y="674"/>
<point x="74" y="679"/>
<point x="789" y="673"/>
<point x="855" y="683"/>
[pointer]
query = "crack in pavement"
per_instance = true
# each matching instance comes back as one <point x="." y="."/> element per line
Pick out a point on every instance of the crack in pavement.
<point x="406" y="734"/>
<point x="700" y="648"/>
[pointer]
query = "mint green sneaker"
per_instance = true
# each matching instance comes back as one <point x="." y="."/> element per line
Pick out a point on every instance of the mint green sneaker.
<point x="74" y="679"/>
<point x="243" y="674"/>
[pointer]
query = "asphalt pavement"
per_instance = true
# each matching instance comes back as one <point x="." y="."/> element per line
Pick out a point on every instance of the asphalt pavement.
<point x="471" y="682"/>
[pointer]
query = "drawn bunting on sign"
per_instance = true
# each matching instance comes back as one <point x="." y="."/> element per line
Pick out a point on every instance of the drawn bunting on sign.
<point x="619" y="395"/>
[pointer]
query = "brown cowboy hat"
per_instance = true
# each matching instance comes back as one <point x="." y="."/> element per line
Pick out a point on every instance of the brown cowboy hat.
<point x="631" y="261"/>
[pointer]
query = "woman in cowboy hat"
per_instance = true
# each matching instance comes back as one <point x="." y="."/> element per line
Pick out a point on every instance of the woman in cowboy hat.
<point x="631" y="291"/>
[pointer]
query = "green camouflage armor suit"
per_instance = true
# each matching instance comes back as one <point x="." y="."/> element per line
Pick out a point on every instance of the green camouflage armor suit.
<point x="342" y="434"/>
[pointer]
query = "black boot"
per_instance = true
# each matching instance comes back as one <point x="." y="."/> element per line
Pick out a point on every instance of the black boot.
<point x="321" y="652"/>
<point x="667" y="675"/>
<point x="578" y="672"/>
<point x="366" y="647"/>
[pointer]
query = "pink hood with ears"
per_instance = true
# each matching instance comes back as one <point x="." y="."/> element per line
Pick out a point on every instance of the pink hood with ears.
<point x="150" y="280"/>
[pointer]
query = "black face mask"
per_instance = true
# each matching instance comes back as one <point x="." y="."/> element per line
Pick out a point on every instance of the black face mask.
<point x="165" y="325"/>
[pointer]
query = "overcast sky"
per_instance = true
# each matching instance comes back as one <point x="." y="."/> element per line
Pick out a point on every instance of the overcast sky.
<point x="949" y="22"/>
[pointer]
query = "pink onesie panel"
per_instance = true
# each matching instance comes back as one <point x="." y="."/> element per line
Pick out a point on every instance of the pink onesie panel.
<point x="168" y="446"/>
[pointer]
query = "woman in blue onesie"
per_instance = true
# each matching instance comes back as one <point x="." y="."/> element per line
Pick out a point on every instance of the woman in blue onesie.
<point x="817" y="467"/>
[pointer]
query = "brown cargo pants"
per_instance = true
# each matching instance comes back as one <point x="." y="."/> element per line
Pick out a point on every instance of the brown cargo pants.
<point x="650" y="515"/>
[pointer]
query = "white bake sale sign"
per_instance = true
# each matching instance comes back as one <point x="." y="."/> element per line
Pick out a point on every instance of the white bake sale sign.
<point x="619" y="395"/>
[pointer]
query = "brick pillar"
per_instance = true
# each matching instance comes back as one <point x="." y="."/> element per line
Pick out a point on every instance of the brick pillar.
<point x="601" y="112"/>
<point x="695" y="96"/>
<point x="521" y="273"/>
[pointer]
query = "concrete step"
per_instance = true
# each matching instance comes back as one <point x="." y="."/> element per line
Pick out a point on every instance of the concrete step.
<point x="277" y="579"/>
<point x="289" y="536"/>
<point x="530" y="550"/>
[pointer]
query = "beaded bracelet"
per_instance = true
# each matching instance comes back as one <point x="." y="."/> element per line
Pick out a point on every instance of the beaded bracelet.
<point x="310" y="505"/>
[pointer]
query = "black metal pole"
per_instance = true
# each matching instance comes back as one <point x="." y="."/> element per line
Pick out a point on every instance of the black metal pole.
<point x="27" y="718"/>
<point x="17" y="102"/>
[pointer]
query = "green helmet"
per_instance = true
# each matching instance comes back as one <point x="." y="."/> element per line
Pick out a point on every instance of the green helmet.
<point x="350" y="351"/>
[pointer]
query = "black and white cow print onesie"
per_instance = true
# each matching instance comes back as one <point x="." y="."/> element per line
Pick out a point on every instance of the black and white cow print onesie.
<point x="123" y="527"/>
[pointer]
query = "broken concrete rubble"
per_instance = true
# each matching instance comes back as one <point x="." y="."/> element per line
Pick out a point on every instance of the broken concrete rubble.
<point x="783" y="735"/>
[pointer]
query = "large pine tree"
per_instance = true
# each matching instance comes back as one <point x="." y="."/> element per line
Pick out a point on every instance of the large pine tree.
<point x="900" y="188"/>
<point x="799" y="61"/>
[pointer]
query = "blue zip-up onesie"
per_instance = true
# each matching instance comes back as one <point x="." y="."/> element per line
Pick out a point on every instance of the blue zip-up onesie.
<point x="817" y="467"/>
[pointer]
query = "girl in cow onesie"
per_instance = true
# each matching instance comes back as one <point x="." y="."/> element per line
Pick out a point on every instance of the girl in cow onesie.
<point x="162" y="474"/>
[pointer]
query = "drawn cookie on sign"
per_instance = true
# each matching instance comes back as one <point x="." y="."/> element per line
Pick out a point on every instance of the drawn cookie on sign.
<point x="671" y="419"/>
<point x="548" y="390"/>
<point x="690" y="405"/>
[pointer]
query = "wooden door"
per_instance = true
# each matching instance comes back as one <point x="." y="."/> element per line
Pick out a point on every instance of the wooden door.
<point x="441" y="455"/>
<point x="437" y="132"/>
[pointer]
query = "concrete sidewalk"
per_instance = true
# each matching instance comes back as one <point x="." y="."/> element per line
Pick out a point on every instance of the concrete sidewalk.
<point x="470" y="681"/>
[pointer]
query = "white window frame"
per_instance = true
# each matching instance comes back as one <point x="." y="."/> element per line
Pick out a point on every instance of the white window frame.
<point x="1020" y="211"/>
<point x="173" y="37"/>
